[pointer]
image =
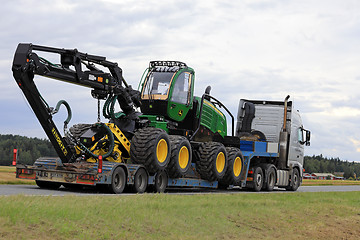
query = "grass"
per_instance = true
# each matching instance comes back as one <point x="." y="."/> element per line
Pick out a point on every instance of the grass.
<point x="162" y="216"/>
<point x="7" y="169"/>
<point x="7" y="176"/>
<point x="315" y="182"/>
<point x="237" y="216"/>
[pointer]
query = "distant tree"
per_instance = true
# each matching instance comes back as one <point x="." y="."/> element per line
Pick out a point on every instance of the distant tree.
<point x="29" y="149"/>
<point x="322" y="164"/>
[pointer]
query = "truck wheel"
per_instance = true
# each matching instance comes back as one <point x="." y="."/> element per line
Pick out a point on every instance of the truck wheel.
<point x="270" y="178"/>
<point x="181" y="156"/>
<point x="118" y="181"/>
<point x="212" y="164"/>
<point x="161" y="182"/>
<point x="47" y="184"/>
<point x="295" y="181"/>
<point x="258" y="179"/>
<point x="150" y="147"/>
<point x="140" y="181"/>
<point x="235" y="166"/>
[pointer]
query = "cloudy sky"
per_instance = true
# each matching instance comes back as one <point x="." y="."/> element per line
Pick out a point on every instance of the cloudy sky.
<point x="244" y="49"/>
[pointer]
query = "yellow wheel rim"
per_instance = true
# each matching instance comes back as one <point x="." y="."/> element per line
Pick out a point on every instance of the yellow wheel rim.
<point x="183" y="157"/>
<point x="220" y="162"/>
<point x="237" y="166"/>
<point x="162" y="150"/>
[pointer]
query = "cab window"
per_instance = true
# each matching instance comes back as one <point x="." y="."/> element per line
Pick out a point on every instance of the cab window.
<point x="301" y="135"/>
<point x="157" y="85"/>
<point x="181" y="90"/>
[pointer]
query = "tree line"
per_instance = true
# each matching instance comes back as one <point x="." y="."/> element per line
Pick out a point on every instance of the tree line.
<point x="321" y="164"/>
<point x="29" y="149"/>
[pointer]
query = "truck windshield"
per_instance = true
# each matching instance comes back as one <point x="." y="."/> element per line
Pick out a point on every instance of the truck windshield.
<point x="157" y="85"/>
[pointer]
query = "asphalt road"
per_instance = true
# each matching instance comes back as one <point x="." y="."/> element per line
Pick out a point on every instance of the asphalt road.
<point x="7" y="190"/>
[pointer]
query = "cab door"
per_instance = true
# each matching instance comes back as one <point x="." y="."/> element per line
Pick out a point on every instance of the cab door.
<point x="180" y="96"/>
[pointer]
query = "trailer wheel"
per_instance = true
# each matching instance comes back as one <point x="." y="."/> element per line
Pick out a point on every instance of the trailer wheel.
<point x="47" y="184"/>
<point x="161" y="182"/>
<point x="140" y="181"/>
<point x="235" y="166"/>
<point x="258" y="179"/>
<point x="295" y="181"/>
<point x="118" y="181"/>
<point x="212" y="164"/>
<point x="181" y="156"/>
<point x="150" y="147"/>
<point x="270" y="178"/>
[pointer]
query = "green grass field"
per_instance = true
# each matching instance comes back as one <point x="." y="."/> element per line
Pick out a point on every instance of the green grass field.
<point x="163" y="216"/>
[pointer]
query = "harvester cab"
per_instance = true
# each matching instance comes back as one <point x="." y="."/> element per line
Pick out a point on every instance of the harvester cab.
<point x="168" y="90"/>
<point x="168" y="101"/>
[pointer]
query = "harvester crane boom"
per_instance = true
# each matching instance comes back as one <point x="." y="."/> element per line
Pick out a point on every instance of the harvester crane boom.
<point x="27" y="64"/>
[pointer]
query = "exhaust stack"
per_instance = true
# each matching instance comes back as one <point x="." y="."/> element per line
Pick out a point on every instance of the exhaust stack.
<point x="284" y="137"/>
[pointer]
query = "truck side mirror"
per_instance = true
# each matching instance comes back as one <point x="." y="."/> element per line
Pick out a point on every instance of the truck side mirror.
<point x="307" y="141"/>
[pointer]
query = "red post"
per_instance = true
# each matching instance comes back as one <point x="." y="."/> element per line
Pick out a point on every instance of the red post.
<point x="15" y="157"/>
<point x="100" y="163"/>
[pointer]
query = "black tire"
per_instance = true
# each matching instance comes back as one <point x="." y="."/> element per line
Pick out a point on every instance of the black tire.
<point x="118" y="181"/>
<point x="161" y="182"/>
<point x="235" y="167"/>
<point x="140" y="181"/>
<point x="47" y="184"/>
<point x="270" y="181"/>
<point x="212" y="164"/>
<point x="181" y="156"/>
<point x="78" y="129"/>
<point x="260" y="136"/>
<point x="151" y="147"/>
<point x="295" y="181"/>
<point x="244" y="134"/>
<point x="258" y="180"/>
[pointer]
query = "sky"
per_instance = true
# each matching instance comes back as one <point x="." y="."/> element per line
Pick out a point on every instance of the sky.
<point x="258" y="50"/>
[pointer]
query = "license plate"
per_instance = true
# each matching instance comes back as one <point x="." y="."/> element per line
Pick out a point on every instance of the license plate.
<point x="48" y="175"/>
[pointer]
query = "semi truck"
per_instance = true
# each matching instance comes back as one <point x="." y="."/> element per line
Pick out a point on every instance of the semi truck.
<point x="163" y="137"/>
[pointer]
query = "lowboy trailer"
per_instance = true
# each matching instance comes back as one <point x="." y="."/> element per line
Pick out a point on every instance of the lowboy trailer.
<point x="176" y="140"/>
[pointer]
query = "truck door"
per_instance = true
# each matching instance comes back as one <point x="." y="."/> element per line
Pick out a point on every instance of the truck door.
<point x="296" y="144"/>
